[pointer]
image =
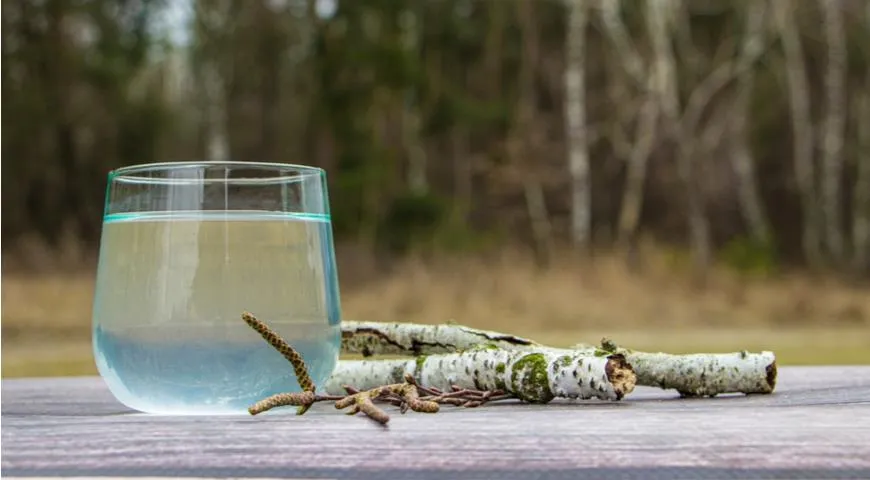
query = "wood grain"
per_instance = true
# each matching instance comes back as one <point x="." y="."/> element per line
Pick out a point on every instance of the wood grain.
<point x="816" y="425"/>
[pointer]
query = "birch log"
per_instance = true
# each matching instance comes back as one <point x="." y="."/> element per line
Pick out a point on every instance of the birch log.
<point x="702" y="374"/>
<point x="532" y="375"/>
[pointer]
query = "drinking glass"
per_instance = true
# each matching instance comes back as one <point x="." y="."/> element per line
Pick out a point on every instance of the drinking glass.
<point x="186" y="247"/>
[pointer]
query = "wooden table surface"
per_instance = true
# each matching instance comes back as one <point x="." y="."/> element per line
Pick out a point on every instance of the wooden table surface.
<point x="816" y="425"/>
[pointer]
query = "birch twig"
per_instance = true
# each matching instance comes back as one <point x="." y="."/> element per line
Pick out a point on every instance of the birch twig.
<point x="374" y="338"/>
<point x="702" y="374"/>
<point x="405" y="395"/>
<point x="532" y="375"/>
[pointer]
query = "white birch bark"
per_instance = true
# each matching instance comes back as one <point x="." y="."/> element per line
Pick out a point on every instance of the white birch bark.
<point x="575" y="115"/>
<point x="417" y="178"/>
<point x="741" y="156"/>
<point x="834" y="125"/>
<point x="659" y="17"/>
<point x="610" y="12"/>
<point x="691" y="375"/>
<point x="374" y="338"/>
<point x="535" y="376"/>
<point x="802" y="129"/>
<point x="704" y="374"/>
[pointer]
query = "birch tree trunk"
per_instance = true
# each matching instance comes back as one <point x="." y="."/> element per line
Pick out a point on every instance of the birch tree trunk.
<point x="861" y="193"/>
<point x="638" y="151"/>
<point x="211" y="20"/>
<point x="217" y="144"/>
<point x="417" y="178"/>
<point x="575" y="114"/>
<point x="638" y="159"/>
<point x="802" y="130"/>
<point x="741" y="155"/>
<point x="686" y="135"/>
<point x="834" y="126"/>
<point x="270" y="53"/>
<point x="682" y="128"/>
<point x="525" y="135"/>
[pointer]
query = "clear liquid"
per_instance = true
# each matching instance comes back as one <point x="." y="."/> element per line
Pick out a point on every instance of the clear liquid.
<point x="168" y="334"/>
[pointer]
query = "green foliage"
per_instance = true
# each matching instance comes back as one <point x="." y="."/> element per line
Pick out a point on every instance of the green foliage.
<point x="338" y="92"/>
<point x="411" y="219"/>
<point x="73" y="109"/>
<point x="751" y="257"/>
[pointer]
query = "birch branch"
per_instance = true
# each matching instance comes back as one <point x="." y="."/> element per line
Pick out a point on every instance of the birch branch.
<point x="536" y="375"/>
<point x="374" y="338"/>
<point x="703" y="374"/>
<point x="610" y="12"/>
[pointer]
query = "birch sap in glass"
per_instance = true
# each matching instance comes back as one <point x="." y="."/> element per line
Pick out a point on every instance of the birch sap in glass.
<point x="185" y="249"/>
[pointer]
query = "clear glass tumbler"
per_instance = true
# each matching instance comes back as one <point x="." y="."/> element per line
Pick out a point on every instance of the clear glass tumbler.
<point x="186" y="248"/>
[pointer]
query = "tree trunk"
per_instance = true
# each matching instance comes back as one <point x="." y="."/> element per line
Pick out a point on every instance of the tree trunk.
<point x="417" y="177"/>
<point x="540" y="217"/>
<point x="683" y="128"/>
<point x="633" y="194"/>
<point x="463" y="169"/>
<point x="834" y="126"/>
<point x="861" y="193"/>
<point x="611" y="17"/>
<point x="217" y="146"/>
<point x="575" y="114"/>
<point x="741" y="155"/>
<point x="270" y="78"/>
<point x="686" y="134"/>
<point x="802" y="130"/>
<point x="638" y="151"/>
<point x="524" y="136"/>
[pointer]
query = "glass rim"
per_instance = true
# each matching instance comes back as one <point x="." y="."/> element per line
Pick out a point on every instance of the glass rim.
<point x="137" y="173"/>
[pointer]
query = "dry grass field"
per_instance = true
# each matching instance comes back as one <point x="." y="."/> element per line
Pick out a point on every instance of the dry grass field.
<point x="46" y="317"/>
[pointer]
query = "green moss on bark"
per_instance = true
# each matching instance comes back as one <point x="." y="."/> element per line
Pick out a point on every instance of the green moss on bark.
<point x="529" y="379"/>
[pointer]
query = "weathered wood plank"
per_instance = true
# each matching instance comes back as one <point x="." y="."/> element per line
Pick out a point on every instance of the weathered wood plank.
<point x="816" y="425"/>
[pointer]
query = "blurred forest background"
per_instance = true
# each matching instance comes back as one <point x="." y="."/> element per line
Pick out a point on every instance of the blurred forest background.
<point x="677" y="174"/>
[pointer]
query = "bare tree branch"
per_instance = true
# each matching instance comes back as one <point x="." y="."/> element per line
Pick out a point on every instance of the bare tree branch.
<point x="611" y="17"/>
<point x="802" y="129"/>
